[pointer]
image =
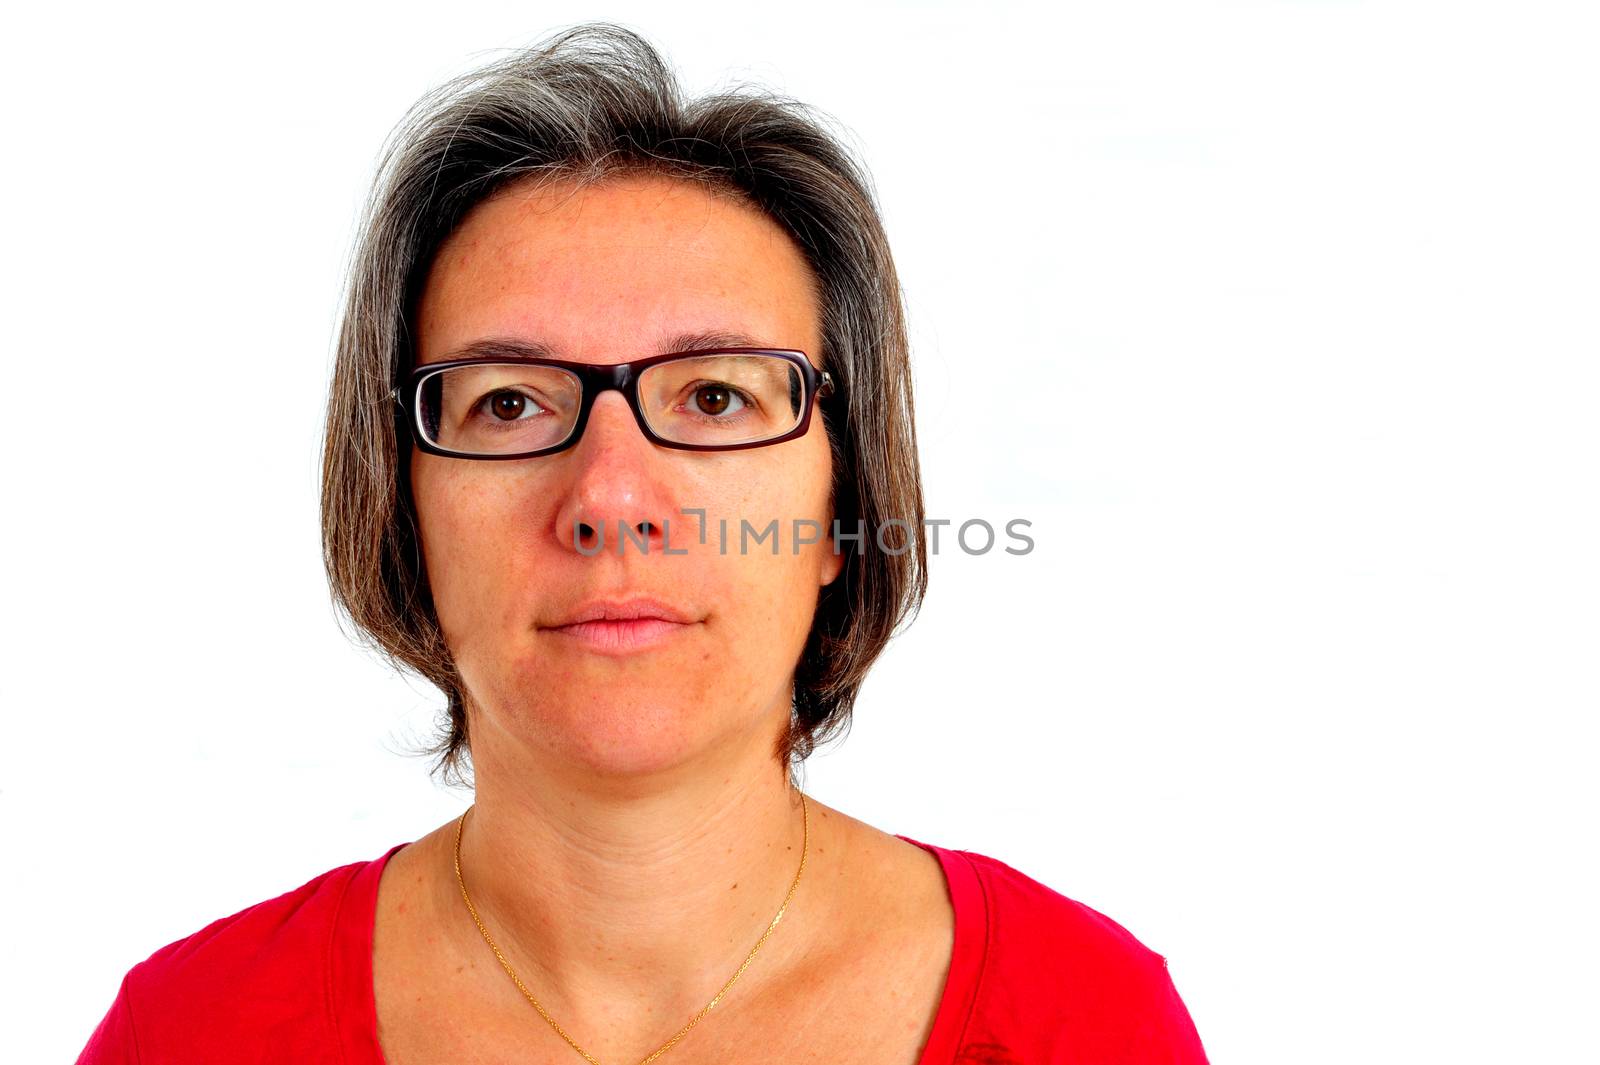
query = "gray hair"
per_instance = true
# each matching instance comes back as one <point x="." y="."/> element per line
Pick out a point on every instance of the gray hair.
<point x="591" y="101"/>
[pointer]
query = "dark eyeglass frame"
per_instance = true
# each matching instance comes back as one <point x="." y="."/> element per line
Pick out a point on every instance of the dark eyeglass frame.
<point x="593" y="380"/>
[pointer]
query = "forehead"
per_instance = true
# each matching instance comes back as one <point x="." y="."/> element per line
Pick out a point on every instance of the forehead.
<point x="595" y="271"/>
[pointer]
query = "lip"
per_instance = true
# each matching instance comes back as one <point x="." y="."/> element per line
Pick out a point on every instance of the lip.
<point x="623" y="626"/>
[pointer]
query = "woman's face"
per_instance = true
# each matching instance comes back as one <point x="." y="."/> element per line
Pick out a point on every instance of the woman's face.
<point x="609" y="273"/>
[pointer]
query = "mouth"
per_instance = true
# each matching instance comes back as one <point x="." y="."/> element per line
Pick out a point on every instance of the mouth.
<point x="622" y="636"/>
<point x="613" y="626"/>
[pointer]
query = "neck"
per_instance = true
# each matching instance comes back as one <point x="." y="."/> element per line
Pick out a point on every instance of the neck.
<point x="650" y="889"/>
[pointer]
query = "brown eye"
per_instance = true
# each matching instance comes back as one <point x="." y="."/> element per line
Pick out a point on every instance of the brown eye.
<point x="508" y="406"/>
<point x="712" y="399"/>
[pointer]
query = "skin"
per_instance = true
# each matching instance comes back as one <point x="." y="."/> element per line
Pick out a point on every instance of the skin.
<point x="632" y="834"/>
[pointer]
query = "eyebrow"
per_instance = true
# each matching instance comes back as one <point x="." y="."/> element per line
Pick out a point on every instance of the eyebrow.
<point x="517" y="348"/>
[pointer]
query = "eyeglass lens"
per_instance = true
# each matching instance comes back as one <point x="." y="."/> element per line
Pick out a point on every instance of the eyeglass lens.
<point x="513" y="407"/>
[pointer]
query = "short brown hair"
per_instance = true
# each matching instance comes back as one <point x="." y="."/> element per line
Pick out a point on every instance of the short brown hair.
<point x="590" y="101"/>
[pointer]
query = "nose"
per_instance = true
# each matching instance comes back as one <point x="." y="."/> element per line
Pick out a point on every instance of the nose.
<point x="615" y="495"/>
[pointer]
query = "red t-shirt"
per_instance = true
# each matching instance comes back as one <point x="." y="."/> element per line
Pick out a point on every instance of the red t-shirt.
<point x="1035" y="979"/>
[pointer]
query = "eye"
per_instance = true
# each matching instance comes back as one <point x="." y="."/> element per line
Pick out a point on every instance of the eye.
<point x="715" y="399"/>
<point x="508" y="405"/>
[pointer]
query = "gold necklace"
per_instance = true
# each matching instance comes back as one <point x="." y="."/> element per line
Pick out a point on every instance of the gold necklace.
<point x="805" y="845"/>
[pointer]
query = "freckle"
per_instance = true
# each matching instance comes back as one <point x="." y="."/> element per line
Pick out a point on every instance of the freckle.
<point x="734" y="886"/>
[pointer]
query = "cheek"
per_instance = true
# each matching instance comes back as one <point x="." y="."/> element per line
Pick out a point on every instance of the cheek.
<point x="772" y="597"/>
<point x="466" y="529"/>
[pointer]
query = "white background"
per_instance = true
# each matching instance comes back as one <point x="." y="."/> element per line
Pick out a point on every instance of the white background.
<point x="1298" y="684"/>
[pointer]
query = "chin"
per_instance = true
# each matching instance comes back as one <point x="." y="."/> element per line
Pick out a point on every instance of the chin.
<point x="625" y="729"/>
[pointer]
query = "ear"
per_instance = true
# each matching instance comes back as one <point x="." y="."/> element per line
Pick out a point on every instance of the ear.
<point x="832" y="561"/>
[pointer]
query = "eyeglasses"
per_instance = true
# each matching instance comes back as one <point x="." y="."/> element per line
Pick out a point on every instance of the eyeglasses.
<point x="721" y="399"/>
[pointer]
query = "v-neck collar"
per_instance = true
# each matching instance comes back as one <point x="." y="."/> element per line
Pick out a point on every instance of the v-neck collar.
<point x="352" y="1003"/>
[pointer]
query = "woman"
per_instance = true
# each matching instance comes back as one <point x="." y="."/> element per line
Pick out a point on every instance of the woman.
<point x="621" y="412"/>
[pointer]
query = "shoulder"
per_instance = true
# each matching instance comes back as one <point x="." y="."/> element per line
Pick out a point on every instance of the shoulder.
<point x="1033" y="925"/>
<point x="273" y="955"/>
<point x="249" y="939"/>
<point x="1059" y="980"/>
